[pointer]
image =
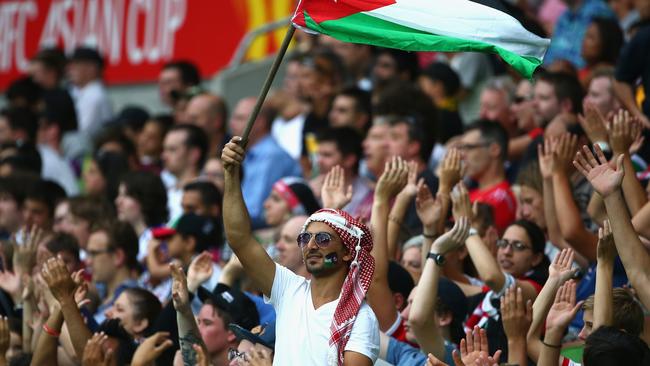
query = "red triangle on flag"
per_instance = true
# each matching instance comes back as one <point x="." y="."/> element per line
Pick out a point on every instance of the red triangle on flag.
<point x="322" y="10"/>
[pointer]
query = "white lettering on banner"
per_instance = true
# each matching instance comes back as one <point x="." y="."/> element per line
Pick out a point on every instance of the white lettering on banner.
<point x="13" y="23"/>
<point x="161" y="22"/>
<point x="147" y="29"/>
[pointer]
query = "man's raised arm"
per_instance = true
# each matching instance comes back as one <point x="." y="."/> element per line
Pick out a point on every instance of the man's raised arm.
<point x="237" y="223"/>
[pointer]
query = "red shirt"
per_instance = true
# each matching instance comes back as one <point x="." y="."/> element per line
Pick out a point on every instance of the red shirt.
<point x="502" y="200"/>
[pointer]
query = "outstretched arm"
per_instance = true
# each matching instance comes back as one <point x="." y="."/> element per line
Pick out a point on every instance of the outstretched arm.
<point x="567" y="212"/>
<point x="607" y="182"/>
<point x="380" y="297"/>
<point x="397" y="212"/>
<point x="623" y="132"/>
<point x="603" y="298"/>
<point x="237" y="223"/>
<point x="188" y="331"/>
<point x="559" y="272"/>
<point x="422" y="317"/>
<point x="486" y="265"/>
<point x="564" y="309"/>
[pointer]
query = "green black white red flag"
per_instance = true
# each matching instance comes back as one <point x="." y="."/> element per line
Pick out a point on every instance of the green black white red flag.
<point x="427" y="25"/>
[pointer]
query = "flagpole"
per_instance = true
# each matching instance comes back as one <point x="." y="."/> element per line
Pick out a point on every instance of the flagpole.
<point x="267" y="83"/>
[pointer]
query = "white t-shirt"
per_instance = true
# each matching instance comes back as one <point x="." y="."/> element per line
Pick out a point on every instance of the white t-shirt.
<point x="302" y="333"/>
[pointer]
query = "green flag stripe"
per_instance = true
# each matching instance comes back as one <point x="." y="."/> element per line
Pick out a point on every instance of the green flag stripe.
<point x="366" y="29"/>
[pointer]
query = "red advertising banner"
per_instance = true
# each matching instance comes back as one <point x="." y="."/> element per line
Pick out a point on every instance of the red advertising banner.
<point x="136" y="37"/>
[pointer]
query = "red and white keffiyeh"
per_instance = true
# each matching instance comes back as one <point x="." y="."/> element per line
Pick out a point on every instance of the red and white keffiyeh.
<point x="357" y="239"/>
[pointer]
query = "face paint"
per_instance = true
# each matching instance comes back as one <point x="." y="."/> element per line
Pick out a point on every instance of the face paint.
<point x="331" y="259"/>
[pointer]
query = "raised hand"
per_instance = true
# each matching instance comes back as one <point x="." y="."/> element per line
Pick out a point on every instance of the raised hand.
<point x="474" y="350"/>
<point x="564" y="152"/>
<point x="392" y="180"/>
<point x="334" y="193"/>
<point x="564" y="308"/>
<point x="600" y="174"/>
<point x="82" y="289"/>
<point x="623" y="131"/>
<point x="545" y="157"/>
<point x="93" y="352"/>
<point x="24" y="259"/>
<point x="58" y="279"/>
<point x="200" y="270"/>
<point x="180" y="293"/>
<point x="450" y="170"/>
<point x="606" y="247"/>
<point x="454" y="238"/>
<point x="593" y="123"/>
<point x="258" y="356"/>
<point x="152" y="347"/>
<point x="561" y="267"/>
<point x="461" y="206"/>
<point x="430" y="211"/>
<point x="411" y="188"/>
<point x="11" y="283"/>
<point x="233" y="154"/>
<point x="515" y="314"/>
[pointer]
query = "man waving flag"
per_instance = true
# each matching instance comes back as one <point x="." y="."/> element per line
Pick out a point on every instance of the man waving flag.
<point x="428" y="25"/>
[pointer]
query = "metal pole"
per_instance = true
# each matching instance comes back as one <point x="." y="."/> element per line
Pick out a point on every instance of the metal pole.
<point x="267" y="84"/>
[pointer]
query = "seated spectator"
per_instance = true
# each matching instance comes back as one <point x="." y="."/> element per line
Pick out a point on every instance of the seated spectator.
<point x="209" y="112"/>
<point x="259" y="340"/>
<point x="484" y="148"/>
<point x="101" y="175"/>
<point x="112" y="257"/>
<point x="142" y="202"/>
<point x="150" y="143"/>
<point x="41" y="199"/>
<point x="600" y="46"/>
<point x="137" y="310"/>
<point x="288" y="254"/>
<point x="213" y="172"/>
<point x="351" y="108"/>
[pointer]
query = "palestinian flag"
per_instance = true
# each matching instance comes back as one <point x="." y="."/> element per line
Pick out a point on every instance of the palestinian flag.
<point x="428" y="25"/>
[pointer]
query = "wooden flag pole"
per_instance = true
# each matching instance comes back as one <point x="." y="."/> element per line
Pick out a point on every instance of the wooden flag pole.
<point x="267" y="84"/>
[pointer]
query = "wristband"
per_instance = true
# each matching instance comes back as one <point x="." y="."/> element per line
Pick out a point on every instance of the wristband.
<point x="51" y="331"/>
<point x="552" y="345"/>
<point x="472" y="232"/>
<point x="535" y="132"/>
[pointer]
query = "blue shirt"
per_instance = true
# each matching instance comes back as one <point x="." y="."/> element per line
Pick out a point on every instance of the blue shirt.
<point x="403" y="354"/>
<point x="265" y="163"/>
<point x="570" y="29"/>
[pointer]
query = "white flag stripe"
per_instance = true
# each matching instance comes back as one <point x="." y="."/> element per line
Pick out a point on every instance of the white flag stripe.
<point x="464" y="19"/>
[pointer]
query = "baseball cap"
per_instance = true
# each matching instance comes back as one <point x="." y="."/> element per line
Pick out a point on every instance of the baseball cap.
<point x="241" y="309"/>
<point x="87" y="54"/>
<point x="203" y="228"/>
<point x="262" y="334"/>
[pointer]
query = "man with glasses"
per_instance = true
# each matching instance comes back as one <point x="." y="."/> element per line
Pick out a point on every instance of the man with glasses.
<point x="111" y="259"/>
<point x="484" y="147"/>
<point x="322" y="321"/>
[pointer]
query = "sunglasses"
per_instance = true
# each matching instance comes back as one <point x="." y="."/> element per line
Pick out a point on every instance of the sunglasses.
<point x="234" y="354"/>
<point x="515" y="245"/>
<point x="323" y="239"/>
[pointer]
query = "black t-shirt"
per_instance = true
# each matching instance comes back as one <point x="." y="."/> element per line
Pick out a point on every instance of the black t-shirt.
<point x="634" y="62"/>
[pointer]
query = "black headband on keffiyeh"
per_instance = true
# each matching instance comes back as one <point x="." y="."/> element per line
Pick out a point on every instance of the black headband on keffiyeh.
<point x="357" y="239"/>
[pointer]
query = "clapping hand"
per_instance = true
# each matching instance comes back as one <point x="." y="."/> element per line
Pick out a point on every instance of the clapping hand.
<point x="152" y="347"/>
<point x="561" y="267"/>
<point x="450" y="170"/>
<point x="334" y="193"/>
<point x="180" y="293"/>
<point x="593" y="123"/>
<point x="58" y="279"/>
<point x="564" y="309"/>
<point x="24" y="259"/>
<point x="564" y="152"/>
<point x="461" y="205"/>
<point x="515" y="314"/>
<point x="454" y="238"/>
<point x="94" y="351"/>
<point x="392" y="180"/>
<point x="545" y="157"/>
<point x="430" y="211"/>
<point x="411" y="188"/>
<point x="597" y="170"/>
<point x="474" y="350"/>
<point x="606" y="246"/>
<point x="200" y="270"/>
<point x="623" y="132"/>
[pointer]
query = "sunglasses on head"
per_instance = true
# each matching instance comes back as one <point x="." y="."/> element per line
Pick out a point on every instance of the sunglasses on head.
<point x="322" y="239"/>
